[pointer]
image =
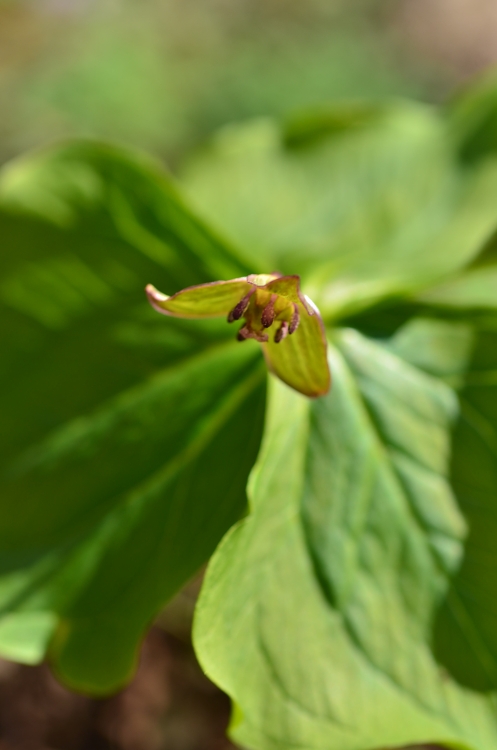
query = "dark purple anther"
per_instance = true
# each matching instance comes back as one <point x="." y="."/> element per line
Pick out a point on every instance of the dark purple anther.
<point x="240" y="308"/>
<point x="243" y="334"/>
<point x="281" y="333"/>
<point x="268" y="314"/>
<point x="294" y="323"/>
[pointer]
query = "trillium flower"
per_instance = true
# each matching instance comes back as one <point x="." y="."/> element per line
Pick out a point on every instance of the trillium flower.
<point x="274" y="312"/>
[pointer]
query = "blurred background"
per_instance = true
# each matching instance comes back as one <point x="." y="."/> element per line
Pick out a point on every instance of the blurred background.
<point x="163" y="75"/>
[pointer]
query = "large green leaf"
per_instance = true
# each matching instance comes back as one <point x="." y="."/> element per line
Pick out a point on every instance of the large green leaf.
<point x="364" y="204"/>
<point x="466" y="626"/>
<point x="465" y="629"/>
<point x="116" y="423"/>
<point x="316" y="614"/>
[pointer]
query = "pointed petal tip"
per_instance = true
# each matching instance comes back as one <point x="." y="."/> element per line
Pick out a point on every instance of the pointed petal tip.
<point x="313" y="391"/>
<point x="316" y="392"/>
<point x="156" y="298"/>
<point x="324" y="391"/>
<point x="304" y="390"/>
<point x="154" y="293"/>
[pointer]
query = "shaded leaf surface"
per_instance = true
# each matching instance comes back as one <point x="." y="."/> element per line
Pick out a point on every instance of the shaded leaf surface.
<point x="115" y="422"/>
<point x="466" y="628"/>
<point x="465" y="625"/>
<point x="333" y="580"/>
<point x="473" y="119"/>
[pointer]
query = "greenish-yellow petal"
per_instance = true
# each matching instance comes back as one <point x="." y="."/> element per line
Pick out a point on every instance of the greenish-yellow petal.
<point x="300" y="360"/>
<point x="202" y="301"/>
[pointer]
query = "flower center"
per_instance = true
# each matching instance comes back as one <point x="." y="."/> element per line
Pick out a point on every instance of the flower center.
<point x="261" y="309"/>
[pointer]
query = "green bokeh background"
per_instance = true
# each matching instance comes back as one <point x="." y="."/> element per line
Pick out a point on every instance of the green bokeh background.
<point x="163" y="74"/>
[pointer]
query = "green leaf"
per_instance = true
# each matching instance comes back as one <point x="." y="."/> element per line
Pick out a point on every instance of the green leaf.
<point x="317" y="610"/>
<point x="473" y="290"/>
<point x="125" y="194"/>
<point x="439" y="347"/>
<point x="308" y="127"/>
<point x="24" y="636"/>
<point x="473" y="118"/>
<point x="466" y="629"/>
<point x="363" y="214"/>
<point x="116" y="423"/>
<point x="476" y="289"/>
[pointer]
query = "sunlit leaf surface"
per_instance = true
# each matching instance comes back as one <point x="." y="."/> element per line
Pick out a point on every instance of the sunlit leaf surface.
<point x="333" y="581"/>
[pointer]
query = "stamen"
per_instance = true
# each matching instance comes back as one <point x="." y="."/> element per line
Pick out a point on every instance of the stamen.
<point x="247" y="333"/>
<point x="281" y="333"/>
<point x="268" y="314"/>
<point x="240" y="308"/>
<point x="261" y="337"/>
<point x="294" y="323"/>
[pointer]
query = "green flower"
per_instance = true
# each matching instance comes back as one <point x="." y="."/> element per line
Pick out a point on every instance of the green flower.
<point x="274" y="312"/>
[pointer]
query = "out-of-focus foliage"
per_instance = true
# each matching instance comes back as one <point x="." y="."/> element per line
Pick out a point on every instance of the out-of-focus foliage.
<point x="115" y="429"/>
<point x="357" y="209"/>
<point x="163" y="74"/>
<point x="353" y="607"/>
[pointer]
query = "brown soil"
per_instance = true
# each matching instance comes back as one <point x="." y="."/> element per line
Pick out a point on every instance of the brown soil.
<point x="170" y="704"/>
